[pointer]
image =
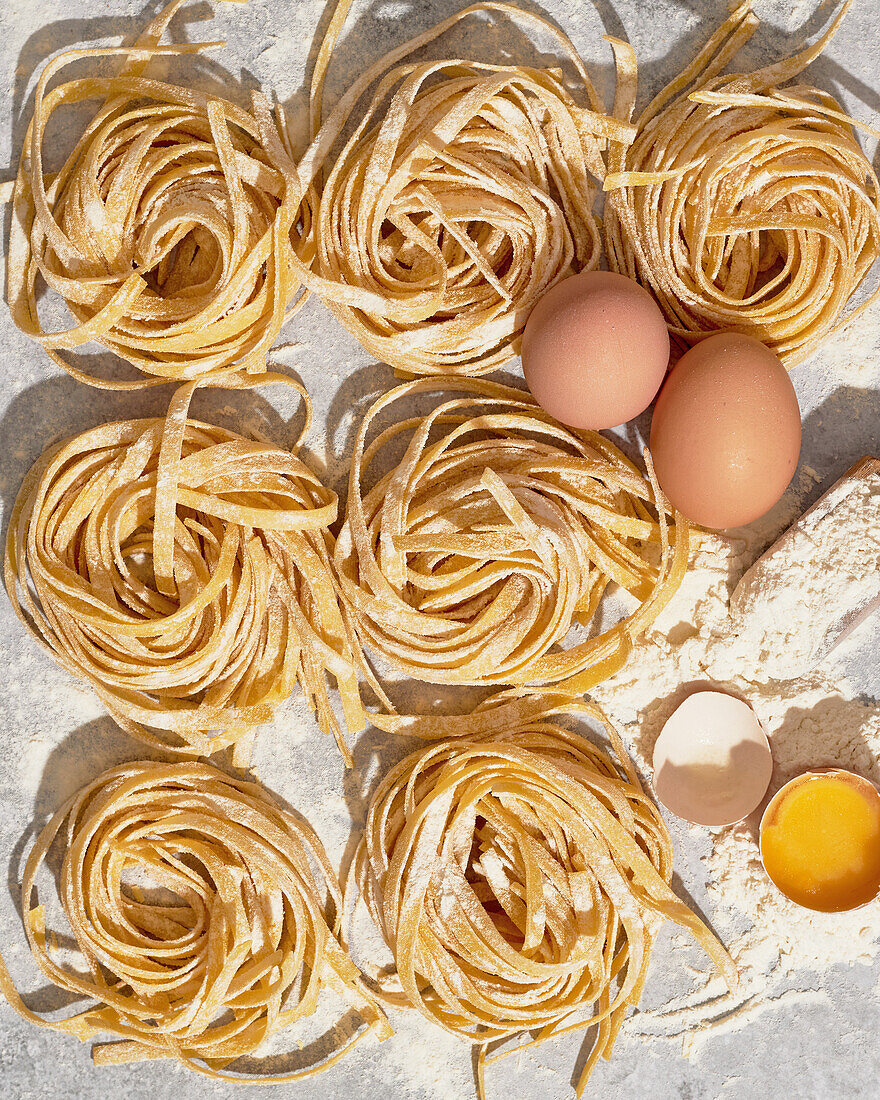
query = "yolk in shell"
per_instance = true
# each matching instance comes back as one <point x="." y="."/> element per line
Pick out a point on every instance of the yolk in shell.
<point x="820" y="842"/>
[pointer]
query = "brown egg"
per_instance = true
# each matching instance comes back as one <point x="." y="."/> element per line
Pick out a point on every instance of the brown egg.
<point x="726" y="433"/>
<point x="595" y="349"/>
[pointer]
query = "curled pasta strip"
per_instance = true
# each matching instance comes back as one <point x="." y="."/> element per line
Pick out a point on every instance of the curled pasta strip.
<point x="237" y="944"/>
<point x="184" y="571"/>
<point x="745" y="202"/>
<point x="471" y="559"/>
<point x="464" y="193"/>
<point x="519" y="875"/>
<point x="167" y="231"/>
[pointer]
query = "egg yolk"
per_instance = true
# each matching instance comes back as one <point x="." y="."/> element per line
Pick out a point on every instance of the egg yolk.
<point x="821" y="844"/>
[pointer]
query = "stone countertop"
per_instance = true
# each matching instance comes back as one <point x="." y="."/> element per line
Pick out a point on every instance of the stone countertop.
<point x="57" y="737"/>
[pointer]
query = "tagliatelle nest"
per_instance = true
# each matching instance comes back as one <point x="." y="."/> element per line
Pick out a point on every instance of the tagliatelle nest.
<point x="243" y="950"/>
<point x="745" y="202"/>
<point x="519" y="875"/>
<point x="471" y="559"/>
<point x="184" y="572"/>
<point x="167" y="230"/>
<point x="464" y="193"/>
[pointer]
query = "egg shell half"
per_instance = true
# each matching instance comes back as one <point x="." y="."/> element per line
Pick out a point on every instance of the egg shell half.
<point x="595" y="350"/>
<point x="712" y="760"/>
<point x="726" y="431"/>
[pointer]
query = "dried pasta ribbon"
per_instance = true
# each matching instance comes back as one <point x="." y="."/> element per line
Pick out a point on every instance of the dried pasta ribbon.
<point x="498" y="529"/>
<point x="238" y="944"/>
<point x="185" y="573"/>
<point x="167" y="231"/>
<point x="519" y="875"/>
<point x="745" y="202"/>
<point x="465" y="191"/>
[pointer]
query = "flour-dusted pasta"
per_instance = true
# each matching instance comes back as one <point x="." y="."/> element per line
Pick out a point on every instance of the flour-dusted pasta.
<point x="745" y="202"/>
<point x="464" y="192"/>
<point x="184" y="572"/>
<point x="167" y="231"/>
<point x="519" y="874"/>
<point x="471" y="559"/>
<point x="239" y="944"/>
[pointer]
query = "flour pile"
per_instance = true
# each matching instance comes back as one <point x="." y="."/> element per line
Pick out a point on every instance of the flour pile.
<point x="813" y="721"/>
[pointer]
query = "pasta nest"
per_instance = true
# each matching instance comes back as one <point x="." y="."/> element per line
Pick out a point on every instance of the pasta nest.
<point x="463" y="194"/>
<point x="235" y="945"/>
<point x="743" y="204"/>
<point x="167" y="231"/>
<point x="184" y="572"/>
<point x="471" y="558"/>
<point x="519" y="875"/>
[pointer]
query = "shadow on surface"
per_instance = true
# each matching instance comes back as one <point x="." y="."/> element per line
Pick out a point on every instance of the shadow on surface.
<point x="843" y="429"/>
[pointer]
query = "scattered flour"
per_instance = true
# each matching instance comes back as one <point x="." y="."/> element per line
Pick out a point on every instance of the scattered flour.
<point x="811" y="721"/>
<point x="815" y="583"/>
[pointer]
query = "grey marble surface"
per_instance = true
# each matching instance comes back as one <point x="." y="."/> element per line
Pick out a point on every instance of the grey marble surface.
<point x="56" y="737"/>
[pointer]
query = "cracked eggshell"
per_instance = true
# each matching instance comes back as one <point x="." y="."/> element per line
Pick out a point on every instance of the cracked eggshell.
<point x="712" y="760"/>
